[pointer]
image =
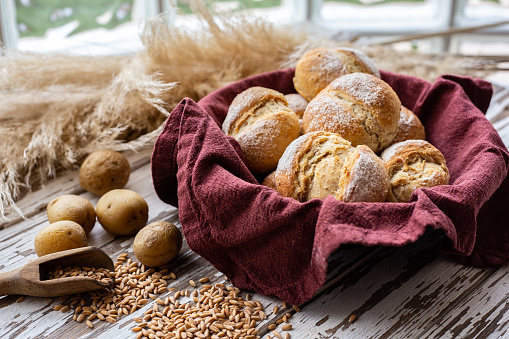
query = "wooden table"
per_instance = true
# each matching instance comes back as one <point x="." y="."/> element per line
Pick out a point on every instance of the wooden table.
<point x="407" y="292"/>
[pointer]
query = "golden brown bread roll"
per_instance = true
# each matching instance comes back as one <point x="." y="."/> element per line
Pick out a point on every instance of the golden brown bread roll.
<point x="319" y="164"/>
<point x="297" y="103"/>
<point x="409" y="127"/>
<point x="360" y="107"/>
<point x="320" y="66"/>
<point x="270" y="180"/>
<point x="260" y="120"/>
<point x="412" y="164"/>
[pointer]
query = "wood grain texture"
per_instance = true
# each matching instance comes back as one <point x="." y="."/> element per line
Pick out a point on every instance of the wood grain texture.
<point x="394" y="295"/>
<point x="484" y="314"/>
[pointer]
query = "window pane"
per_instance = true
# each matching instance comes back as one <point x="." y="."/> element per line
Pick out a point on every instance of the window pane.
<point x="89" y="27"/>
<point x="384" y="16"/>
<point x="35" y="17"/>
<point x="277" y="11"/>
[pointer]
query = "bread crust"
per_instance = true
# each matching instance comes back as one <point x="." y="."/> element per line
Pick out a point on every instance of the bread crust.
<point x="412" y="164"/>
<point x="263" y="125"/>
<point x="297" y="103"/>
<point x="320" y="66"/>
<point x="311" y="165"/>
<point x="270" y="180"/>
<point x="363" y="177"/>
<point x="360" y="107"/>
<point x="410" y="127"/>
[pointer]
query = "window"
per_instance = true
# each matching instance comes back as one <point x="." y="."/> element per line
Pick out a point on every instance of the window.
<point x="98" y="27"/>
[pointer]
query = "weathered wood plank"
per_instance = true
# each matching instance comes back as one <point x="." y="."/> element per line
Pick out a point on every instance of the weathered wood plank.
<point x="395" y="295"/>
<point x="484" y="314"/>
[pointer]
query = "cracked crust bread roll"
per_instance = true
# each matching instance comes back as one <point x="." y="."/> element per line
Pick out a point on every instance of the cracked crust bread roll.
<point x="320" y="66"/>
<point x="297" y="103"/>
<point x="263" y="125"/>
<point x="409" y="127"/>
<point x="320" y="164"/>
<point x="412" y="164"/>
<point x="360" y="107"/>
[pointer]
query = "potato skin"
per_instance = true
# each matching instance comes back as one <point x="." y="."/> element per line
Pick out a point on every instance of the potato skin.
<point x="72" y="207"/>
<point x="122" y="212"/>
<point x="103" y="171"/>
<point x="60" y="236"/>
<point x="157" y="243"/>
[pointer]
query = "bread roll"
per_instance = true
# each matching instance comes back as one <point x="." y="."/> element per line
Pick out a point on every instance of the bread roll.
<point x="409" y="127"/>
<point x="363" y="177"/>
<point x="360" y="107"/>
<point x="412" y="164"/>
<point x="270" y="180"/>
<point x="297" y="103"/>
<point x="320" y="66"/>
<point x="319" y="164"/>
<point x="260" y="120"/>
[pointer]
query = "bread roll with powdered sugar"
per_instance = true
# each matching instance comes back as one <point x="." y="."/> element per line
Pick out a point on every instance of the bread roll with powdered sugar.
<point x="320" y="66"/>
<point x="360" y="107"/>
<point x="260" y="120"/>
<point x="412" y="164"/>
<point x="320" y="164"/>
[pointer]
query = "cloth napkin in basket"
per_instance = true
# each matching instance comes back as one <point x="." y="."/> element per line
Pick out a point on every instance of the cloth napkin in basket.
<point x="249" y="232"/>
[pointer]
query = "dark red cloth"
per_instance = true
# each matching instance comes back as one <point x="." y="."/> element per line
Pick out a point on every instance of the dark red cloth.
<point x="278" y="246"/>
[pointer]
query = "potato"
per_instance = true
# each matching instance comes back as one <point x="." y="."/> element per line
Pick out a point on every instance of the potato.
<point x="60" y="236"/>
<point x="74" y="208"/>
<point x="157" y="243"/>
<point x="122" y="212"/>
<point x="103" y="171"/>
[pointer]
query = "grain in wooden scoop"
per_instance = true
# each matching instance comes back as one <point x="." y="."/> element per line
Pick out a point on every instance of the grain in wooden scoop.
<point x="134" y="285"/>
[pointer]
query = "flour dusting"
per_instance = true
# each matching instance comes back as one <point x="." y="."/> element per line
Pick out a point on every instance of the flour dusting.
<point x="365" y="60"/>
<point x="362" y="86"/>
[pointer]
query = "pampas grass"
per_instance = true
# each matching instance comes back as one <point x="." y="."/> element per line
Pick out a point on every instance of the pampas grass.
<point x="56" y="109"/>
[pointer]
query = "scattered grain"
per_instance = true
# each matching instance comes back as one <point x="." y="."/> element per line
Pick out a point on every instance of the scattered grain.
<point x="20" y="299"/>
<point x="352" y="318"/>
<point x="286" y="327"/>
<point x="277" y="334"/>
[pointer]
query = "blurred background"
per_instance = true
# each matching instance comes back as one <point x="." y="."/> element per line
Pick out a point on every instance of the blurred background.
<point x="477" y="28"/>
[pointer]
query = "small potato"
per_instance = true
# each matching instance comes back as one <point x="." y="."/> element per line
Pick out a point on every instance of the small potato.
<point x="74" y="208"/>
<point x="103" y="171"/>
<point x="157" y="243"/>
<point x="60" y="236"/>
<point x="122" y="212"/>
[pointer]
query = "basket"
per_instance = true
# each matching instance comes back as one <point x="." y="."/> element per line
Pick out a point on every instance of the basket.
<point x="249" y="232"/>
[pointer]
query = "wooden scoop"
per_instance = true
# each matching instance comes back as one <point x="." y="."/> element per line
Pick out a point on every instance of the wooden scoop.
<point x="32" y="279"/>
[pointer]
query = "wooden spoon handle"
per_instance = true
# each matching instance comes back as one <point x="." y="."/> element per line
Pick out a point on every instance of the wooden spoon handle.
<point x="9" y="282"/>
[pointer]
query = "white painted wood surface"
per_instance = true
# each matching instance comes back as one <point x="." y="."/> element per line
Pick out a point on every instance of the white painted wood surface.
<point x="407" y="292"/>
